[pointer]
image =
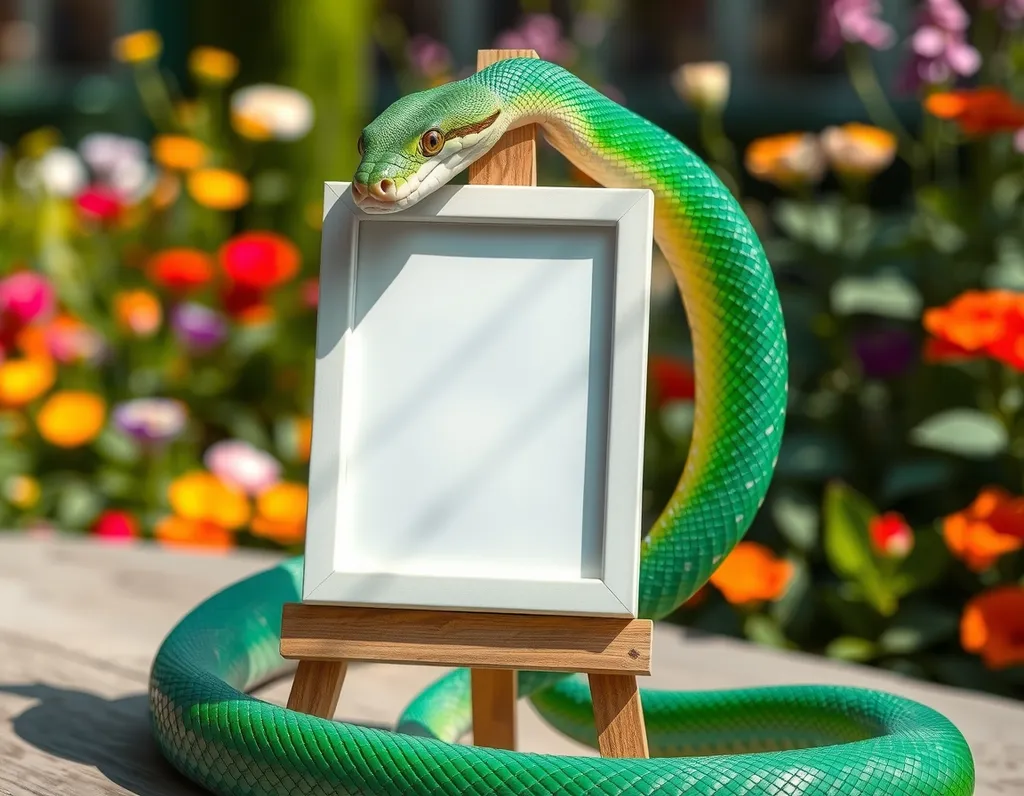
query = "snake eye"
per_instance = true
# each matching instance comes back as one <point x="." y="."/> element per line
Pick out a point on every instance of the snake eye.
<point x="361" y="146"/>
<point x="431" y="142"/>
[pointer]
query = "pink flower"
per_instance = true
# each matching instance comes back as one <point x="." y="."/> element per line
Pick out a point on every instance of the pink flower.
<point x="116" y="526"/>
<point x="853" y="21"/>
<point x="26" y="297"/>
<point x="99" y="203"/>
<point x="243" y="465"/>
<point x="310" y="292"/>
<point x="939" y="46"/>
<point x="1012" y="10"/>
<point x="540" y="32"/>
<point x="428" y="56"/>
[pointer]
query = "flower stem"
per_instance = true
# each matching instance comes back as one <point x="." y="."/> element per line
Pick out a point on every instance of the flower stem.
<point x="865" y="82"/>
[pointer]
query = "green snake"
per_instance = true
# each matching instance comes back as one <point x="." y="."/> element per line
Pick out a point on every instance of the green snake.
<point x="787" y="740"/>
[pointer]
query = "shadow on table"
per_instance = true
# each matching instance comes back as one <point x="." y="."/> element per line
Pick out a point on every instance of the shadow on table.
<point x="112" y="735"/>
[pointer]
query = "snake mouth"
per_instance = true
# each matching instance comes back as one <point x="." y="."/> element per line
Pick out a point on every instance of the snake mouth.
<point x="369" y="204"/>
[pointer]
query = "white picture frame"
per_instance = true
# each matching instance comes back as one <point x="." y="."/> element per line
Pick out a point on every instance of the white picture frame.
<point x="428" y="322"/>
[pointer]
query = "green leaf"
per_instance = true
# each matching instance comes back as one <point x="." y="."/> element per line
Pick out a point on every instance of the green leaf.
<point x="117" y="447"/>
<point x="1007" y="272"/>
<point x="925" y="565"/>
<point x="116" y="483"/>
<point x="765" y="631"/>
<point x="847" y="517"/>
<point x="914" y="477"/>
<point x="918" y="626"/>
<point x="851" y="648"/>
<point x="77" y="505"/>
<point x="964" y="431"/>
<point x="796" y="518"/>
<point x="887" y="295"/>
<point x="677" y="419"/>
<point x="813" y="456"/>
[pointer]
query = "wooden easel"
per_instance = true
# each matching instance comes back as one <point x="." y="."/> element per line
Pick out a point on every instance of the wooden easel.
<point x="612" y="652"/>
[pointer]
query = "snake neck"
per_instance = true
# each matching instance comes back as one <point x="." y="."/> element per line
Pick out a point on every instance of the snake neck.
<point x="731" y="304"/>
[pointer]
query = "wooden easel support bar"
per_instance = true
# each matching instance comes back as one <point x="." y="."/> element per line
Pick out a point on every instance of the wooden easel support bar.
<point x="593" y="645"/>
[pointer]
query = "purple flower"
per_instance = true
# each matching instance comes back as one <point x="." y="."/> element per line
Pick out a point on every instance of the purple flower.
<point x="239" y="463"/>
<point x="151" y="421"/>
<point x="540" y="32"/>
<point x="884" y="353"/>
<point x="198" y="327"/>
<point x="939" y="47"/>
<point x="853" y="21"/>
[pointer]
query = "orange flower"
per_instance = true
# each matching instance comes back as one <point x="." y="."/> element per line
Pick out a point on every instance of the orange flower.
<point x="789" y="160"/>
<point x="70" y="419"/>
<point x="218" y="189"/>
<point x="992" y="626"/>
<point x="184" y="533"/>
<point x="992" y="526"/>
<point x="978" y="111"/>
<point x="281" y="513"/>
<point x="202" y="497"/>
<point x="213" y="65"/>
<point x="859" y="150"/>
<point x="181" y="269"/>
<point x="978" y="323"/>
<point x="24" y="380"/>
<point x="138" y="47"/>
<point x="138" y="312"/>
<point x="178" y="152"/>
<point x="752" y="573"/>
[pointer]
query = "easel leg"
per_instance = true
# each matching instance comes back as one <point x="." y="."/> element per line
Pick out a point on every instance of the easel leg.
<point x="618" y="715"/>
<point x="317" y="687"/>
<point x="494" y="708"/>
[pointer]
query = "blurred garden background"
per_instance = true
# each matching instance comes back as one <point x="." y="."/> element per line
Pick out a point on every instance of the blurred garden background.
<point x="161" y="170"/>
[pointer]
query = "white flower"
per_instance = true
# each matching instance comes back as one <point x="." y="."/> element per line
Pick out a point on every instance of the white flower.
<point x="705" y="85"/>
<point x="62" y="172"/>
<point x="105" y="152"/>
<point x="285" y="113"/>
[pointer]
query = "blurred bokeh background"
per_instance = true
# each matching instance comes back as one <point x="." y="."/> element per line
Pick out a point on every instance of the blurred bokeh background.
<point x="161" y="178"/>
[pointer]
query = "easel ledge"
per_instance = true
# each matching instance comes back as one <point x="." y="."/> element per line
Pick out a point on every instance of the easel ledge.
<point x="612" y="652"/>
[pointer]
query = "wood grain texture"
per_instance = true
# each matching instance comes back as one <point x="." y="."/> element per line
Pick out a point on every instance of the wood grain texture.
<point x="477" y="640"/>
<point x="513" y="160"/>
<point x="80" y="622"/>
<point x="316" y="687"/>
<point x="618" y="716"/>
<point x="494" y="708"/>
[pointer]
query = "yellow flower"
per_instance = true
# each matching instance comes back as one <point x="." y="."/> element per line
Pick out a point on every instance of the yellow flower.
<point x="192" y="534"/>
<point x="71" y="418"/>
<point x="24" y="380"/>
<point x="178" y="152"/>
<point x="138" y="47"/>
<point x="218" y="189"/>
<point x="204" y="498"/>
<point x="22" y="491"/>
<point x="250" y="127"/>
<point x="213" y="65"/>
<point x="704" y="85"/>
<point x="38" y="142"/>
<point x="859" y="150"/>
<point x="281" y="513"/>
<point x="789" y="160"/>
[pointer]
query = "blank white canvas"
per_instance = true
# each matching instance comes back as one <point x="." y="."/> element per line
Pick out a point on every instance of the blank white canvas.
<point x="482" y="371"/>
<point x="479" y="401"/>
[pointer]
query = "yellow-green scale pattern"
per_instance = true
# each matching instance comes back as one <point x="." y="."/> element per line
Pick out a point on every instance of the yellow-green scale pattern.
<point x="811" y="740"/>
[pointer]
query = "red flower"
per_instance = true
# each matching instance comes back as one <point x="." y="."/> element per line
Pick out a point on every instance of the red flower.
<point x="116" y="526"/>
<point x="99" y="203"/>
<point x="260" y="260"/>
<point x="311" y="293"/>
<point x="181" y="269"/>
<point x="239" y="299"/>
<point x="891" y="536"/>
<point x="671" y="380"/>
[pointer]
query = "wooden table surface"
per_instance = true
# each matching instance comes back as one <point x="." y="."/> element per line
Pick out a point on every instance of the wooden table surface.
<point x="80" y="622"/>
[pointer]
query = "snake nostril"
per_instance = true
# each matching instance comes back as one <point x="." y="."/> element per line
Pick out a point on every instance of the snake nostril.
<point x="386" y="186"/>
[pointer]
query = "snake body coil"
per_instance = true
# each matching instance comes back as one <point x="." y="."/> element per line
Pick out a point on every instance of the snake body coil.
<point x="788" y="740"/>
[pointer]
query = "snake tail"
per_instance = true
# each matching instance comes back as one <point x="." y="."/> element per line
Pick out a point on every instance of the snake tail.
<point x="812" y="740"/>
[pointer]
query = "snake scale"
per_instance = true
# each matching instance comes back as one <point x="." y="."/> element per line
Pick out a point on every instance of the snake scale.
<point x="787" y="740"/>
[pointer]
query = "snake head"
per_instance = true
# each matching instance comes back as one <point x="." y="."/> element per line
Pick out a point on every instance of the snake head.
<point x="423" y="140"/>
